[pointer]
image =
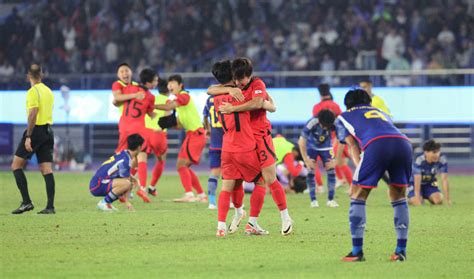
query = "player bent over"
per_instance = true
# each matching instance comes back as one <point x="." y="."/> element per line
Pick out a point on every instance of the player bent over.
<point x="315" y="142"/>
<point x="424" y="184"/>
<point x="384" y="148"/>
<point x="113" y="180"/>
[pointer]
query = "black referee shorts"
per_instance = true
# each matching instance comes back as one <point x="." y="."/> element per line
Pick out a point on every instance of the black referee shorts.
<point x="42" y="142"/>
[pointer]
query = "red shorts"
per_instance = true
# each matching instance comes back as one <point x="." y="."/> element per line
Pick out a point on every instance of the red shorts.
<point x="266" y="151"/>
<point x="157" y="143"/>
<point x="345" y="153"/>
<point x="193" y="145"/>
<point x="240" y="165"/>
<point x="123" y="135"/>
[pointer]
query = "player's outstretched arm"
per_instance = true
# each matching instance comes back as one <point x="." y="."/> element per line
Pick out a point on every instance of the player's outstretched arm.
<point x="269" y="106"/>
<point x="417" y="186"/>
<point x="255" y="103"/>
<point x="304" y="153"/>
<point x="220" y="90"/>
<point x="444" y="179"/>
<point x="119" y="98"/>
<point x="168" y="106"/>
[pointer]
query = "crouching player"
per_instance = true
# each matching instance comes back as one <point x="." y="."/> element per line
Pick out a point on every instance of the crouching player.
<point x="113" y="180"/>
<point x="384" y="148"/>
<point x="424" y="184"/>
<point x="315" y="142"/>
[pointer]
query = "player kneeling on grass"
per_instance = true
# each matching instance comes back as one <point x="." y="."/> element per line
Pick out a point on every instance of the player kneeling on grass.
<point x="424" y="184"/>
<point x="314" y="142"/>
<point x="113" y="180"/>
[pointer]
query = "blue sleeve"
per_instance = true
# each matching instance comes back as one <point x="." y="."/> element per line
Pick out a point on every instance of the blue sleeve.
<point x="416" y="168"/>
<point x="341" y="131"/>
<point x="205" y="112"/>
<point x="443" y="164"/>
<point x="124" y="168"/>
<point x="306" y="133"/>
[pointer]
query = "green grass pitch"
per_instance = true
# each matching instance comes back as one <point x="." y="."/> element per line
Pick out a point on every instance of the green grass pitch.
<point x="164" y="239"/>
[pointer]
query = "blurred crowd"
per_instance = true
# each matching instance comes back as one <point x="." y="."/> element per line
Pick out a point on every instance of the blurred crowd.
<point x="90" y="36"/>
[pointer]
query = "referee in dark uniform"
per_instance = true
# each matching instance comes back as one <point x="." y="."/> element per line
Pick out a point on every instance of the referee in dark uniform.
<point x="37" y="139"/>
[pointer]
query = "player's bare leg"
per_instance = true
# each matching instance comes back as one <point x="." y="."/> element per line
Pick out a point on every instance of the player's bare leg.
<point x="436" y="198"/>
<point x="401" y="221"/>
<point x="142" y="159"/>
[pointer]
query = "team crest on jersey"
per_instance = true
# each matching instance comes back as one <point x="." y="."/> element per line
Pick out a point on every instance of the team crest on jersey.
<point x="322" y="138"/>
<point x="258" y="91"/>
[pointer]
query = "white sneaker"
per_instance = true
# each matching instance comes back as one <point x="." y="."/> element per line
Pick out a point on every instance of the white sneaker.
<point x="332" y="203"/>
<point x="212" y="206"/>
<point x="314" y="204"/>
<point x="186" y="198"/>
<point x="287" y="227"/>
<point x="320" y="189"/>
<point x="107" y="207"/>
<point x="251" y="229"/>
<point x="234" y="226"/>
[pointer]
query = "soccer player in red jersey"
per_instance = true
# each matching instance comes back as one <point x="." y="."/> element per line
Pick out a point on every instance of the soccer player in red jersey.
<point x="239" y="155"/>
<point x="242" y="72"/>
<point x="327" y="102"/>
<point x="124" y="75"/>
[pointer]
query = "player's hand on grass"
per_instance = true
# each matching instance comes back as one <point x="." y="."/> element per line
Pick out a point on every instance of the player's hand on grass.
<point x="226" y="108"/>
<point x="140" y="95"/>
<point x="130" y="207"/>
<point x="237" y="94"/>
<point x="416" y="201"/>
<point x="28" y="145"/>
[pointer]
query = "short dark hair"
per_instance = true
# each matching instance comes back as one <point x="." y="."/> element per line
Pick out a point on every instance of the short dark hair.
<point x="163" y="86"/>
<point x="147" y="75"/>
<point x="134" y="141"/>
<point x="431" y="145"/>
<point x="242" y="67"/>
<point x="324" y="89"/>
<point x="356" y="97"/>
<point x="123" y="64"/>
<point x="299" y="184"/>
<point x="35" y="71"/>
<point x="222" y="71"/>
<point x="366" y="80"/>
<point x="326" y="118"/>
<point x="176" y="78"/>
<point x="297" y="149"/>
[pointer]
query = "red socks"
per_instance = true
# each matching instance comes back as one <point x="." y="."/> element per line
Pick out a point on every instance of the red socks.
<point x="238" y="195"/>
<point x="223" y="206"/>
<point x="157" y="172"/>
<point x="186" y="180"/>
<point x="142" y="173"/>
<point x="278" y="194"/>
<point x="256" y="200"/>
<point x="195" y="182"/>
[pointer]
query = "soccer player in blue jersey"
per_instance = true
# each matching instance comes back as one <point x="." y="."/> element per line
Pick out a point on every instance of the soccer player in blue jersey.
<point x="424" y="184"/>
<point x="113" y="180"/>
<point x="384" y="148"/>
<point x="314" y="142"/>
<point x="214" y="128"/>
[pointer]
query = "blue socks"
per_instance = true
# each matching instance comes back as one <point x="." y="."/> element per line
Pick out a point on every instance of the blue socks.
<point x="111" y="197"/>
<point x="311" y="185"/>
<point x="401" y="220"/>
<point x="211" y="188"/>
<point x="357" y="221"/>
<point x="331" y="183"/>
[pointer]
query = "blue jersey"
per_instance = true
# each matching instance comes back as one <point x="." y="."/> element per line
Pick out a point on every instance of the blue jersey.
<point x="429" y="171"/>
<point x="216" y="128"/>
<point x="117" y="166"/>
<point x="365" y="124"/>
<point x="316" y="137"/>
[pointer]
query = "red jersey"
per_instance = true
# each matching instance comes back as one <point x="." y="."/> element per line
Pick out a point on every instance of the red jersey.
<point x="327" y="104"/>
<point x="259" y="121"/>
<point x="238" y="134"/>
<point x="134" y="110"/>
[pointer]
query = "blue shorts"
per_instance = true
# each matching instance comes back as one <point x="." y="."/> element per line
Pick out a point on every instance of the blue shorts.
<point x="100" y="187"/>
<point x="215" y="158"/>
<point x="386" y="154"/>
<point x="325" y="155"/>
<point x="426" y="191"/>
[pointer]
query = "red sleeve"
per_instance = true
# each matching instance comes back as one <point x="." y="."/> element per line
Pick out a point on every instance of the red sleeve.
<point x="337" y="109"/>
<point x="183" y="99"/>
<point x="289" y="161"/>
<point x="151" y="103"/>
<point x="259" y="90"/>
<point x="116" y="86"/>
<point x="316" y="110"/>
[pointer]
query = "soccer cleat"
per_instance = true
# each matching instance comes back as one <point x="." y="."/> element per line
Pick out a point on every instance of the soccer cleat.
<point x="234" y="225"/>
<point x="107" y="207"/>
<point x="142" y="194"/>
<point x="354" y="258"/>
<point x="398" y="257"/>
<point x="314" y="204"/>
<point x="221" y="233"/>
<point x="23" y="208"/>
<point x="122" y="199"/>
<point x="202" y="199"/>
<point x="332" y="203"/>
<point x="287" y="227"/>
<point x="186" y="198"/>
<point x="47" y="211"/>
<point x="212" y="206"/>
<point x="152" y="191"/>
<point x="251" y="229"/>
